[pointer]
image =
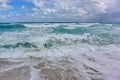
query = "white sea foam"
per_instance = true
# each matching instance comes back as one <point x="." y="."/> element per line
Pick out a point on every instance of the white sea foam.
<point x="41" y="25"/>
<point x="65" y="25"/>
<point x="103" y="59"/>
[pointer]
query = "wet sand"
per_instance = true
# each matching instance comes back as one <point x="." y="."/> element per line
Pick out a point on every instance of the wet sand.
<point x="42" y="69"/>
<point x="80" y="67"/>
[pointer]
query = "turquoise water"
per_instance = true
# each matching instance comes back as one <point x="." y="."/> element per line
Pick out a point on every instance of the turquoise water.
<point x="47" y="35"/>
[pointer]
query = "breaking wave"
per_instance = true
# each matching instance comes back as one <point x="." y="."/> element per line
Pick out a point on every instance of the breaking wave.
<point x="54" y="35"/>
<point x="11" y="26"/>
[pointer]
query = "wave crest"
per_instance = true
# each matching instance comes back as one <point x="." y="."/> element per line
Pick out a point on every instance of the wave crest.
<point x="19" y="44"/>
<point x="11" y="26"/>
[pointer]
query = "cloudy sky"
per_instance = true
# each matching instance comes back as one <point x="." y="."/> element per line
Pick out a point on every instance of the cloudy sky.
<point x="59" y="10"/>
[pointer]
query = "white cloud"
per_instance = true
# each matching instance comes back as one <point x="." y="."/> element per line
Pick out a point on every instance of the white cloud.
<point x="78" y="8"/>
<point x="35" y="10"/>
<point x="23" y="7"/>
<point x="4" y="5"/>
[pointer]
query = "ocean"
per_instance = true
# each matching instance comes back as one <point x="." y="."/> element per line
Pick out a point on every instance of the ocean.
<point x="60" y="51"/>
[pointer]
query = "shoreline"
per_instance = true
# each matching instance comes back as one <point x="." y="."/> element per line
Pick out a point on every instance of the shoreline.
<point x="68" y="67"/>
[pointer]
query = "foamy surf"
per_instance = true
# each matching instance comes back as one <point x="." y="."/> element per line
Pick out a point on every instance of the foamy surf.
<point x="53" y="51"/>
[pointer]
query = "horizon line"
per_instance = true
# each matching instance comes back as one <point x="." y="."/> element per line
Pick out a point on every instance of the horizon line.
<point x="55" y="22"/>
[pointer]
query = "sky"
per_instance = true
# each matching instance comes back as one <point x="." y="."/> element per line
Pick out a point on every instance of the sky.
<point x="59" y="10"/>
